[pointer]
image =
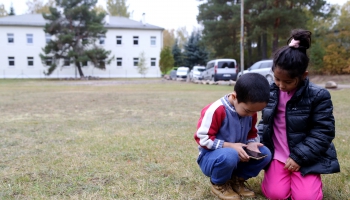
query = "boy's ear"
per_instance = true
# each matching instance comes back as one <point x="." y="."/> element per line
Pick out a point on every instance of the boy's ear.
<point x="234" y="95"/>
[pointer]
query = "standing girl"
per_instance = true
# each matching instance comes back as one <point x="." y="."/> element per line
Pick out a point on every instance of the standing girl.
<point x="297" y="126"/>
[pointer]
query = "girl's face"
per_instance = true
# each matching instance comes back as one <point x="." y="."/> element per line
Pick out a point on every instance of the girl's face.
<point x="284" y="81"/>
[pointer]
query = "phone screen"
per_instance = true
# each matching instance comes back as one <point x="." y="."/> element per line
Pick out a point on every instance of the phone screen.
<point x="254" y="155"/>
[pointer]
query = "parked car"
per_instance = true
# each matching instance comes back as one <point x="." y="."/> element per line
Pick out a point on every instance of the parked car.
<point x="172" y="74"/>
<point x="220" y="69"/>
<point x="182" y="72"/>
<point x="195" y="73"/>
<point x="263" y="67"/>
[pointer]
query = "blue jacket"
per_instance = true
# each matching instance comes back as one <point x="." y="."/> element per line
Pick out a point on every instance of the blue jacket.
<point x="219" y="123"/>
<point x="310" y="128"/>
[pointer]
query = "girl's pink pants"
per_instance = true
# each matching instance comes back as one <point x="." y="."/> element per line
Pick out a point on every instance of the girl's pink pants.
<point x="280" y="183"/>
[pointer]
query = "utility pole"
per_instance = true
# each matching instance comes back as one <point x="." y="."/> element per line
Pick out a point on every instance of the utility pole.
<point x="242" y="36"/>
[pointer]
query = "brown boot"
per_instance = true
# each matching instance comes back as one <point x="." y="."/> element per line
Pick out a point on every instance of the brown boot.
<point x="225" y="191"/>
<point x="239" y="186"/>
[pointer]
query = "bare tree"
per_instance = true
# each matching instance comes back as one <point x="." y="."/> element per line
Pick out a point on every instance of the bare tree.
<point x="118" y="8"/>
<point x="99" y="9"/>
<point x="3" y="11"/>
<point x="38" y="6"/>
<point x="142" y="65"/>
<point x="168" y="38"/>
<point x="182" y="36"/>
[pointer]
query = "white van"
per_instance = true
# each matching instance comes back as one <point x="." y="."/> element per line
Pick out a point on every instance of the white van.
<point x="221" y="69"/>
<point x="182" y="72"/>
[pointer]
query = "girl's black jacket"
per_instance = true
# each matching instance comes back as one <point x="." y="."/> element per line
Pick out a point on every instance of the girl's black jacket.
<point x="309" y="125"/>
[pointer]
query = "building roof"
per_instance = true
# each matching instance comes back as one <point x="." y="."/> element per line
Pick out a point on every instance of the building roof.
<point x="111" y="22"/>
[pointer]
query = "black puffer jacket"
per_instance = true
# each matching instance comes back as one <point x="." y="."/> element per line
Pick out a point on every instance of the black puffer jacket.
<point x="310" y="128"/>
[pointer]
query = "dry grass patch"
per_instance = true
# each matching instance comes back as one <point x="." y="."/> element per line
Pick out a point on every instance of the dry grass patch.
<point x="128" y="139"/>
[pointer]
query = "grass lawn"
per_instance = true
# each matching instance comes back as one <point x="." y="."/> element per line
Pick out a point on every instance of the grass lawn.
<point x="119" y="139"/>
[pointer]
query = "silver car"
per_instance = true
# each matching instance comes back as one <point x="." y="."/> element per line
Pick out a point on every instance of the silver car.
<point x="220" y="69"/>
<point x="195" y="73"/>
<point x="262" y="67"/>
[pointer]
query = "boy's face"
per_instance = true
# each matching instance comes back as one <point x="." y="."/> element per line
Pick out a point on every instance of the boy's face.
<point x="246" y="109"/>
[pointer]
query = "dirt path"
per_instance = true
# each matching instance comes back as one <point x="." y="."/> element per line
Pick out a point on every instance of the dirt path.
<point x="322" y="79"/>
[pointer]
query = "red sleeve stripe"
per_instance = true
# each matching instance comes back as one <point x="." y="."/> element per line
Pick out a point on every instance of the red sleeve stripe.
<point x="207" y="129"/>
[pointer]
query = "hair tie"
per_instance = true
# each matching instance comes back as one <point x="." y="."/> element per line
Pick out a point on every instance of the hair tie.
<point x="294" y="43"/>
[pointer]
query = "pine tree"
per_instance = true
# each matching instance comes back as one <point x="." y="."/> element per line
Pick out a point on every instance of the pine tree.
<point x="317" y="53"/>
<point x="76" y="27"/>
<point x="177" y="54"/>
<point x="194" y="54"/>
<point x="257" y="31"/>
<point x="12" y="10"/>
<point x="221" y="21"/>
<point x="278" y="18"/>
<point x="267" y="25"/>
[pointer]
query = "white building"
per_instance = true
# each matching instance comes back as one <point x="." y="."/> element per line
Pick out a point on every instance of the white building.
<point x="22" y="39"/>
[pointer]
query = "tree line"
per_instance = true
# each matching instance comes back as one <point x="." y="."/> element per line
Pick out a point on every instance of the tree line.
<point x="113" y="8"/>
<point x="179" y="50"/>
<point x="267" y="25"/>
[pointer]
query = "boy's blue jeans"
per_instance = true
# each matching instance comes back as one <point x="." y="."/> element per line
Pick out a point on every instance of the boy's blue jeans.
<point x="221" y="164"/>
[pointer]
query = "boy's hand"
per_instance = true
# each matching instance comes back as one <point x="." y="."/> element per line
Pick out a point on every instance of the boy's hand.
<point x="291" y="165"/>
<point x="243" y="156"/>
<point x="254" y="146"/>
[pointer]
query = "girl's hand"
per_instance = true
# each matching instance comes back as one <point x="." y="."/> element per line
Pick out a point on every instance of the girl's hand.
<point x="243" y="156"/>
<point x="291" y="165"/>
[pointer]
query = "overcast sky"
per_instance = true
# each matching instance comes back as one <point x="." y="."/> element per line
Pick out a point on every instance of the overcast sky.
<point x="169" y="14"/>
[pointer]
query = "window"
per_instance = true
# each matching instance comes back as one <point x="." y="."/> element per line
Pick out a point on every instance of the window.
<point x="119" y="40"/>
<point x="10" y="38"/>
<point x="255" y="66"/>
<point x="11" y="61"/>
<point x="66" y="62"/>
<point x="48" y="61"/>
<point x="119" y="61"/>
<point x="84" y="63"/>
<point x="136" y="40"/>
<point x="47" y="38"/>
<point x="226" y="64"/>
<point x="29" y="38"/>
<point x="266" y="65"/>
<point x="153" y="40"/>
<point x="30" y="61"/>
<point x="102" y="39"/>
<point x="153" y="62"/>
<point x="136" y="61"/>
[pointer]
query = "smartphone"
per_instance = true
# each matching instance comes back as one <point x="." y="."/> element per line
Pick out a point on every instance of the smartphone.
<point x="254" y="155"/>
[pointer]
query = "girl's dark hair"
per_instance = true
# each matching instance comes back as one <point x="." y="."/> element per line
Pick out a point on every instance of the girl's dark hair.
<point x="294" y="59"/>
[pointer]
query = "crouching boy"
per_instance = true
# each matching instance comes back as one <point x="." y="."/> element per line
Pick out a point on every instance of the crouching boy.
<point x="225" y="128"/>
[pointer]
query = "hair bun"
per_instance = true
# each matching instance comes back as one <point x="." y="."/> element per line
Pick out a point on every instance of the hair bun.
<point x="303" y="36"/>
